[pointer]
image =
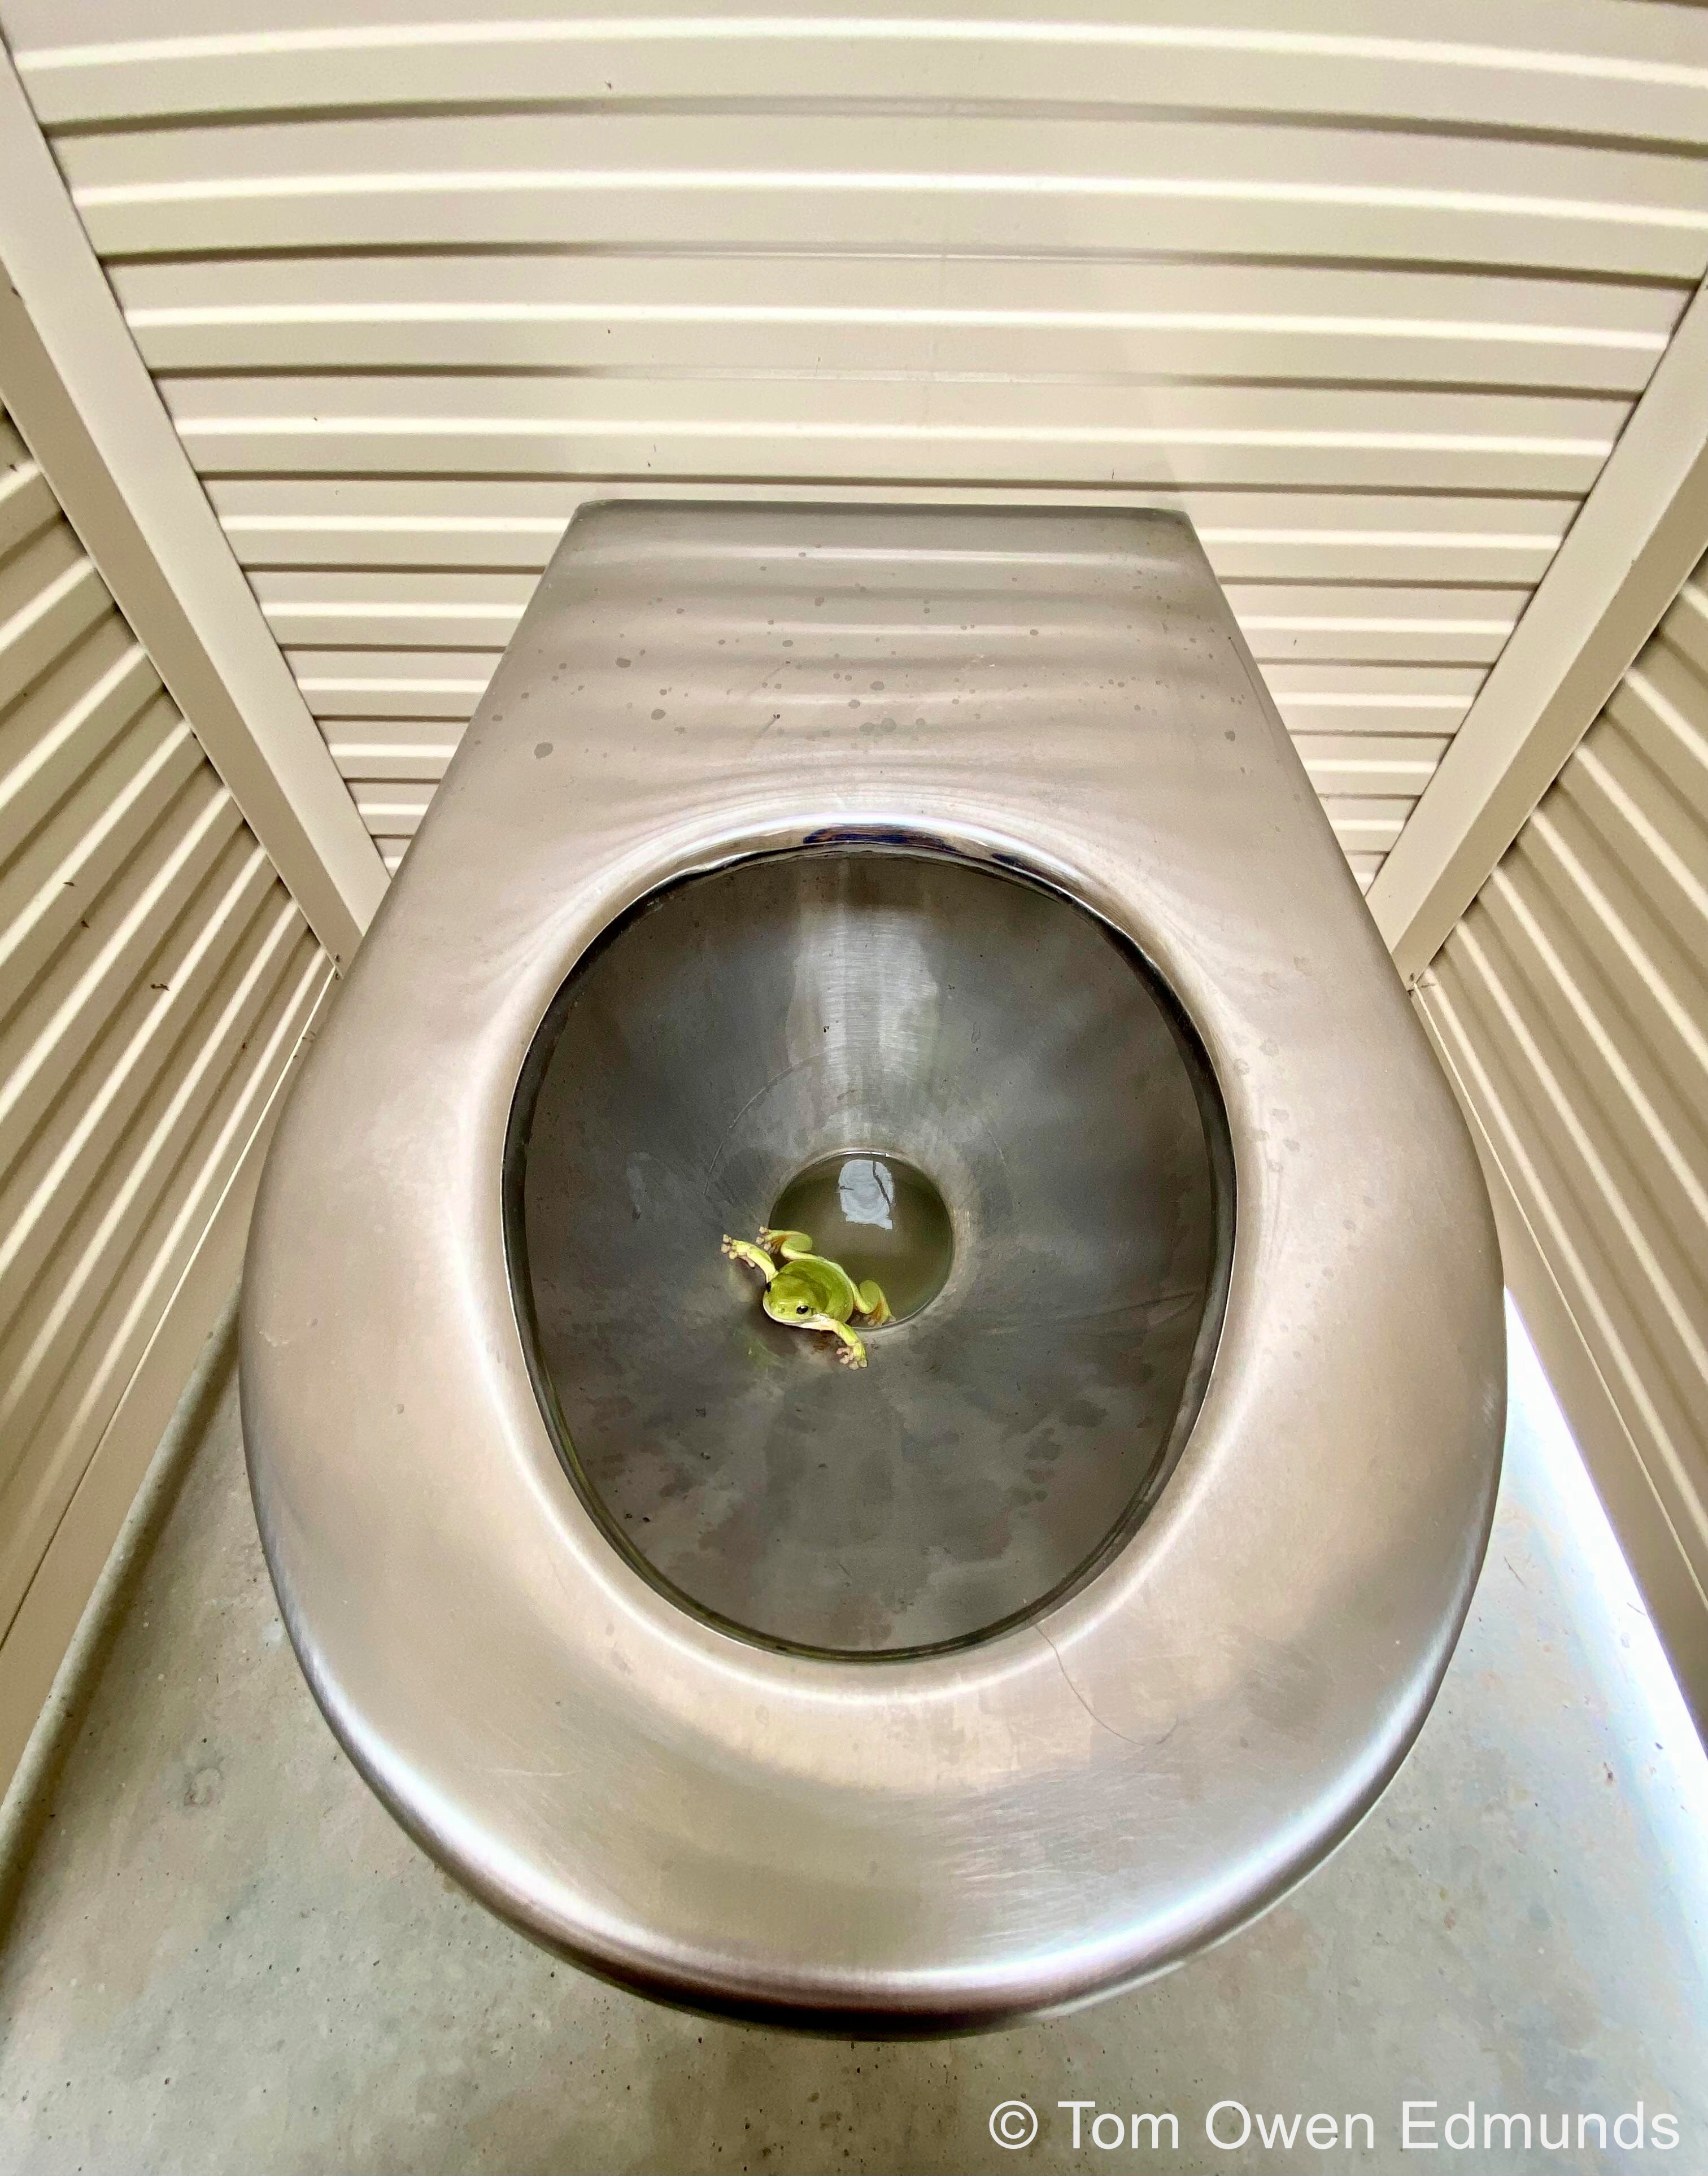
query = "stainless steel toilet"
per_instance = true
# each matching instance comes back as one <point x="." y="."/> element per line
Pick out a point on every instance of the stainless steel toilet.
<point x="959" y="855"/>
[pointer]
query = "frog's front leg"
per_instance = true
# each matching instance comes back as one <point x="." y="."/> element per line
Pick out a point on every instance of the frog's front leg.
<point x="790" y="1245"/>
<point x="744" y="1250"/>
<point x="853" y="1352"/>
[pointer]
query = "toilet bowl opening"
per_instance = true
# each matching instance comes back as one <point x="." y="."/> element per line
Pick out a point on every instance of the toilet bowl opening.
<point x="968" y="1090"/>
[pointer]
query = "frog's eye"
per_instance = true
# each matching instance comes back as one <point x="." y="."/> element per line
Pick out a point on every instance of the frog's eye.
<point x="802" y="1309"/>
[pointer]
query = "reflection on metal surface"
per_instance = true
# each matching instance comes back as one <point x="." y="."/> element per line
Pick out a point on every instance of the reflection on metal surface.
<point x="751" y="1022"/>
<point x="893" y="1844"/>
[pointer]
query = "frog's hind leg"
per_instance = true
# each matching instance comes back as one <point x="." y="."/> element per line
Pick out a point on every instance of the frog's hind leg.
<point x="790" y="1245"/>
<point x="869" y="1298"/>
<point x="744" y="1250"/>
<point x="853" y="1352"/>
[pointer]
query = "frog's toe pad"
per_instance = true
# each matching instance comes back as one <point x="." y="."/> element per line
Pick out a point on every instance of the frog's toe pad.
<point x="850" y="1358"/>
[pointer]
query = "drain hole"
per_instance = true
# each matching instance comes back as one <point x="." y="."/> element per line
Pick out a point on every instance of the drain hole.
<point x="879" y="1217"/>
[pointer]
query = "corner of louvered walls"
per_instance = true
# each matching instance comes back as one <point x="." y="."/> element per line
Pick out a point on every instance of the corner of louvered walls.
<point x="1370" y="299"/>
<point x="1571" y="1003"/>
<point x="156" y="981"/>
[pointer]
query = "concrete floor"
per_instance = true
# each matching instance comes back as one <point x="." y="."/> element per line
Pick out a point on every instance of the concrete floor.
<point x="222" y="1956"/>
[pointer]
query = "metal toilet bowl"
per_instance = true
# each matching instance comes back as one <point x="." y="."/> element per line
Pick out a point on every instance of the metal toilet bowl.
<point x="958" y="855"/>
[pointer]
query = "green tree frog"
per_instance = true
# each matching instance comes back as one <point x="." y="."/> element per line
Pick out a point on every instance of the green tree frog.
<point x="806" y="1290"/>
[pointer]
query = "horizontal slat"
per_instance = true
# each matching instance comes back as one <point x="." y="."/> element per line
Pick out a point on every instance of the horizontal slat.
<point x="1569" y="67"/>
<point x="1367" y="825"/>
<point x="1141" y="322"/>
<point x="1385" y="766"/>
<point x="391" y="810"/>
<point x="341" y="683"/>
<point x="384" y="748"/>
<point x="496" y="524"/>
<point x="1188" y="434"/>
<point x="451" y="614"/>
<point x="890" y="182"/>
<point x="1348" y="622"/>
<point x="450" y="608"/>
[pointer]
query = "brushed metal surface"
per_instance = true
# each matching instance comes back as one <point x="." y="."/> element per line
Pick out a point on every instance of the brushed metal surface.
<point x="738" y="1029"/>
<point x="958" y="1839"/>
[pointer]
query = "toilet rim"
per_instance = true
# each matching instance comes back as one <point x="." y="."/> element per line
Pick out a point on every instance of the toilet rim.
<point x="1053" y="1698"/>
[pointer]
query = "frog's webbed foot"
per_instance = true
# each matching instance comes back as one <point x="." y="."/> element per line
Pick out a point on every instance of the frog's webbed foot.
<point x="790" y="1245"/>
<point x="873" y="1305"/>
<point x="744" y="1250"/>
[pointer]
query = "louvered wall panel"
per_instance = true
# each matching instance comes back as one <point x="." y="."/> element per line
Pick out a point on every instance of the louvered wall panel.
<point x="1369" y="296"/>
<point x="155" y="981"/>
<point x="1572" y="1002"/>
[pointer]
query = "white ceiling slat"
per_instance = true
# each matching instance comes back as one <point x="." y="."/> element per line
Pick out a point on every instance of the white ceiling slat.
<point x="496" y="523"/>
<point x="381" y="749"/>
<point x="345" y="683"/>
<point x="1561" y="67"/>
<point x="1144" y="321"/>
<point x="1172" y="435"/>
<point x="1367" y="824"/>
<point x="1344" y="622"/>
<point x="392" y="810"/>
<point x="452" y="610"/>
<point x="1362" y="764"/>
<point x="896" y="183"/>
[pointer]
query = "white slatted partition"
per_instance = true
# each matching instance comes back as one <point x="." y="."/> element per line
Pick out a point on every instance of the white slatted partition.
<point x="1572" y="1005"/>
<point x="1369" y="293"/>
<point x="156" y="981"/>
